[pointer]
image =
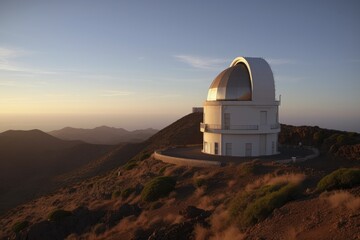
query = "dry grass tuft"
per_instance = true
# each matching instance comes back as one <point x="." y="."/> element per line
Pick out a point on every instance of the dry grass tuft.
<point x="201" y="233"/>
<point x="270" y="179"/>
<point x="342" y="199"/>
<point x="231" y="233"/>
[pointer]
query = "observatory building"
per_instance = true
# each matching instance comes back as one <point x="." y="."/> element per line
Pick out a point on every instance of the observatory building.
<point x="241" y="116"/>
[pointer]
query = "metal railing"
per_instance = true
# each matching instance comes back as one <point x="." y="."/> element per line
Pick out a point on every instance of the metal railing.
<point x="228" y="127"/>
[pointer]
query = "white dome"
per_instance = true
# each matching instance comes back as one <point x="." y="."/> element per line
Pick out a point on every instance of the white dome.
<point x="232" y="84"/>
<point x="247" y="79"/>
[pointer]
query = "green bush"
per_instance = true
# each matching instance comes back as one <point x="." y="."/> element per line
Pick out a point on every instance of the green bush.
<point x="157" y="188"/>
<point x="17" y="227"/>
<point x="263" y="206"/>
<point x="240" y="202"/>
<point x="127" y="192"/>
<point x="248" y="208"/>
<point x="341" y="178"/>
<point x="162" y="170"/>
<point x="247" y="169"/>
<point x="58" y="215"/>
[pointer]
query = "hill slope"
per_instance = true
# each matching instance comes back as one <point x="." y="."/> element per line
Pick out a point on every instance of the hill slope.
<point x="112" y="206"/>
<point x="29" y="159"/>
<point x="103" y="135"/>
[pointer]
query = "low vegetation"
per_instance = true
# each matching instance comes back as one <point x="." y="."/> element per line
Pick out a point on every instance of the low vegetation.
<point x="130" y="165"/>
<point x="127" y="192"/>
<point x="157" y="188"/>
<point x="17" y="227"/>
<point x="116" y="194"/>
<point x="99" y="228"/>
<point x="248" y="208"/>
<point x="200" y="182"/>
<point x="247" y="169"/>
<point x="58" y="215"/>
<point x="143" y="156"/>
<point x="162" y="170"/>
<point x="340" y="179"/>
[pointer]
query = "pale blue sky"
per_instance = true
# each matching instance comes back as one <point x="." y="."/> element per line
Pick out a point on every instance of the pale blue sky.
<point x="137" y="64"/>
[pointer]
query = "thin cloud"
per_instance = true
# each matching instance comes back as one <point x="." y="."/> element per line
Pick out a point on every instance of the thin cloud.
<point x="8" y="64"/>
<point x="21" y="84"/>
<point x="201" y="62"/>
<point x="115" y="93"/>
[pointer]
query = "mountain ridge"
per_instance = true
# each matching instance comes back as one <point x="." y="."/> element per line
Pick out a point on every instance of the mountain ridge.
<point x="103" y="134"/>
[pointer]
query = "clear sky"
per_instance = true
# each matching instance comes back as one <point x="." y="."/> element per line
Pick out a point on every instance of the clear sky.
<point x="138" y="64"/>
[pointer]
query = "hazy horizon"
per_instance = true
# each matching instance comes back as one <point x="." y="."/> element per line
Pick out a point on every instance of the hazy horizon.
<point x="48" y="124"/>
<point x="146" y="64"/>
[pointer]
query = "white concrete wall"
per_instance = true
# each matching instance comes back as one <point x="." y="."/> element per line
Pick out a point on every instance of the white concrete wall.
<point x="250" y="115"/>
<point x="240" y="114"/>
<point x="211" y="139"/>
<point x="212" y="114"/>
<point x="239" y="144"/>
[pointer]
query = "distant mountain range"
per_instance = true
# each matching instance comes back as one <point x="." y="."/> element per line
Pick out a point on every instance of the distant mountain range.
<point x="103" y="135"/>
<point x="30" y="159"/>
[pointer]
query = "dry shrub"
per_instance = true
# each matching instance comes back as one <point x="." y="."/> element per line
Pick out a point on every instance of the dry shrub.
<point x="201" y="233"/>
<point x="206" y="202"/>
<point x="342" y="198"/>
<point x="199" y="192"/>
<point x="231" y="233"/>
<point x="219" y="219"/>
<point x="270" y="179"/>
<point x="231" y="183"/>
<point x="175" y="170"/>
<point x="173" y="218"/>
<point x="220" y="228"/>
<point x="154" y="221"/>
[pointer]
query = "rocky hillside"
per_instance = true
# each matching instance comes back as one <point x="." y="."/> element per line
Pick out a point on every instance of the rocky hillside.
<point x="149" y="199"/>
<point x="330" y="142"/>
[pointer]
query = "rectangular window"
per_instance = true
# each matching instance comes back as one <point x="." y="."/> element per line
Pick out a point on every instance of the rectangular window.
<point x="216" y="148"/>
<point x="273" y="147"/>
<point x="226" y="120"/>
<point x="228" y="149"/>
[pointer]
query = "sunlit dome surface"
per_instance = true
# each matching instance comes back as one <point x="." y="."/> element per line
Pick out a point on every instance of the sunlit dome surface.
<point x="232" y="84"/>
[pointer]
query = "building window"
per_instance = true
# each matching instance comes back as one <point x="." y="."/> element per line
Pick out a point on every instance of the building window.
<point x="226" y="120"/>
<point x="216" y="148"/>
<point x="205" y="147"/>
<point x="273" y="147"/>
<point x="248" y="149"/>
<point x="228" y="149"/>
